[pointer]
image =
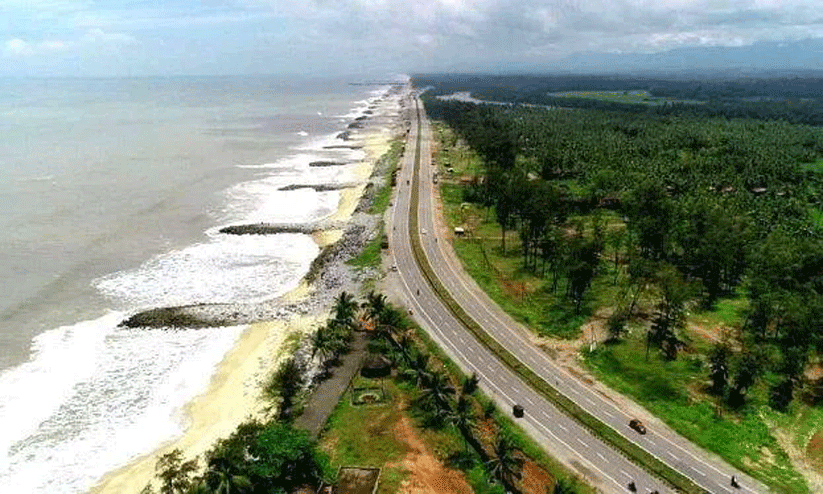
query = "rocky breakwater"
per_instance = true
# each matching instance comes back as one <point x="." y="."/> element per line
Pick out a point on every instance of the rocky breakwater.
<point x="328" y="273"/>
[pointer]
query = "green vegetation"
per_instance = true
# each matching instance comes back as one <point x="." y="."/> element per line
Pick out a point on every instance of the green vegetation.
<point x="388" y="162"/>
<point x="795" y="100"/>
<point x="701" y="235"/>
<point x="672" y="390"/>
<point x="371" y="255"/>
<point x="258" y="457"/>
<point x="450" y="410"/>
<point x="371" y="444"/>
<point x="607" y="434"/>
<point x="638" y="96"/>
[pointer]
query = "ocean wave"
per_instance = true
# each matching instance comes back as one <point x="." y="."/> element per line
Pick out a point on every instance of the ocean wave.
<point x="129" y="397"/>
<point x="93" y="396"/>
<point x="38" y="178"/>
<point x="262" y="201"/>
<point x="34" y="391"/>
<point x="229" y="268"/>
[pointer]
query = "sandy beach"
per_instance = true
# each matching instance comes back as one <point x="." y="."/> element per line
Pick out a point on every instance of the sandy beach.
<point x="233" y="396"/>
<point x="235" y="392"/>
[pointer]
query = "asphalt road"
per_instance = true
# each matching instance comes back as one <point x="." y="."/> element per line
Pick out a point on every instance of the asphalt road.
<point x="560" y="435"/>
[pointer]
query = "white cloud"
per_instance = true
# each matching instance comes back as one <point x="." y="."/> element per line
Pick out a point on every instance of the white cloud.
<point x="95" y="39"/>
<point x="16" y="46"/>
<point x="98" y="36"/>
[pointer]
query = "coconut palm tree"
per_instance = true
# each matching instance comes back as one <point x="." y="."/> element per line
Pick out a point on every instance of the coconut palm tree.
<point x="223" y="481"/>
<point x="506" y="465"/>
<point x="345" y="308"/>
<point x="322" y="344"/>
<point x="470" y="384"/>
<point x="563" y="486"/>
<point x="437" y="393"/>
<point x="419" y="371"/>
<point x="375" y="307"/>
<point x="464" y="419"/>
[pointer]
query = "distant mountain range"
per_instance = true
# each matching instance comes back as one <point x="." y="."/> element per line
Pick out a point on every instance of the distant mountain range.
<point x="799" y="57"/>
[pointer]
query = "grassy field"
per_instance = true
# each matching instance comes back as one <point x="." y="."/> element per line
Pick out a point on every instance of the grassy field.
<point x="640" y="96"/>
<point x="372" y="442"/>
<point x="816" y="167"/>
<point x="673" y="391"/>
<point x="527" y="297"/>
<point x="382" y="438"/>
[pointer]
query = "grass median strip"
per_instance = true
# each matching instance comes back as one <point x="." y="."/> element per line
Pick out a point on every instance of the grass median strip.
<point x="633" y="452"/>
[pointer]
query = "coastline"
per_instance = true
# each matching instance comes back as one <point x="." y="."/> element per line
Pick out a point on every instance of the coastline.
<point x="234" y="394"/>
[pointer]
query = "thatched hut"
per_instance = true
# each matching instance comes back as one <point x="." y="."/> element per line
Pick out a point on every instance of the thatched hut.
<point x="376" y="366"/>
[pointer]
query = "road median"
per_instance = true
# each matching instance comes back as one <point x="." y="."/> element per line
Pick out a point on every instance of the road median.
<point x="599" y="429"/>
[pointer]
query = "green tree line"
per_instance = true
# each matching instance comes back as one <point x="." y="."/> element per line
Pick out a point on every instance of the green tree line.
<point x="706" y="207"/>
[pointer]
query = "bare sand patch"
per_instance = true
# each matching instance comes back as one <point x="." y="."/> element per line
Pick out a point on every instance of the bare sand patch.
<point x="428" y="475"/>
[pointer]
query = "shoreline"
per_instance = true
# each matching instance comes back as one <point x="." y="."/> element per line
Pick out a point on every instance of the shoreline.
<point x="235" y="393"/>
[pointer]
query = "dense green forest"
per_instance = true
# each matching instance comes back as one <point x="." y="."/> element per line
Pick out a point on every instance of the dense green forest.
<point x="789" y="99"/>
<point x="690" y="201"/>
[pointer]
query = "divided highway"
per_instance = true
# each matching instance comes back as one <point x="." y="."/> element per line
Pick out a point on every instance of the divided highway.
<point x="558" y="433"/>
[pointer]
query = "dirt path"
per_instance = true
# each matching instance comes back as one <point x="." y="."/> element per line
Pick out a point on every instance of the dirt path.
<point x="327" y="394"/>
<point x="428" y="475"/>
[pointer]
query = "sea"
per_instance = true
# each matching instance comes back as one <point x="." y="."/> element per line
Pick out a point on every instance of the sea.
<point x="112" y="192"/>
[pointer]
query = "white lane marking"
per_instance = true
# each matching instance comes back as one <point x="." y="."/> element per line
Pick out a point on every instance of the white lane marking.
<point x="492" y="384"/>
<point x="671" y="454"/>
<point x="626" y="474"/>
<point x="582" y="443"/>
<point x="563" y="427"/>
<point x="556" y="368"/>
<point x="606" y="413"/>
<point x="602" y="457"/>
<point x="528" y="400"/>
<point x="520" y="337"/>
<point x="698" y="471"/>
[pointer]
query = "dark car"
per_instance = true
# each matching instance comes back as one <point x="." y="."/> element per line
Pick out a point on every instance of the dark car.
<point x="517" y="410"/>
<point x="637" y="425"/>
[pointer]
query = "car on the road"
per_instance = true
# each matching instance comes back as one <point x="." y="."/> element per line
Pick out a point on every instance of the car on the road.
<point x="637" y="425"/>
<point x="423" y="231"/>
<point x="517" y="411"/>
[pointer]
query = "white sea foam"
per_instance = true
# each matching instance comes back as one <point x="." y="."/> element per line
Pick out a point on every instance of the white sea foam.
<point x="262" y="201"/>
<point x="229" y="268"/>
<point x="32" y="392"/>
<point x="128" y="398"/>
<point x="93" y="396"/>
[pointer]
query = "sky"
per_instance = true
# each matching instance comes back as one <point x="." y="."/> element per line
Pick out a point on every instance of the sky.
<point x="372" y="37"/>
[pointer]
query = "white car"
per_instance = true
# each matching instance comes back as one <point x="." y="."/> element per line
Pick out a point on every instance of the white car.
<point x="423" y="231"/>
